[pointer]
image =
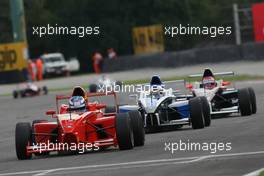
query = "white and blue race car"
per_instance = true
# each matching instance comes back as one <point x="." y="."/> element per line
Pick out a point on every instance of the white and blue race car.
<point x="162" y="107"/>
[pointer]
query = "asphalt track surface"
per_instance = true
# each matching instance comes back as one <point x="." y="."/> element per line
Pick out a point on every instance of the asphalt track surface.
<point x="246" y="135"/>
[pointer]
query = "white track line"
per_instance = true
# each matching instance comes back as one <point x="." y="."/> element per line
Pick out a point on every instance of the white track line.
<point x="96" y="166"/>
<point x="184" y="160"/>
<point x="71" y="172"/>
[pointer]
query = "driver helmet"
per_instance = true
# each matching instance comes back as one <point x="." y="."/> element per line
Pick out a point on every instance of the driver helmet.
<point x="209" y="82"/>
<point x="77" y="103"/>
<point x="157" y="91"/>
<point x="79" y="91"/>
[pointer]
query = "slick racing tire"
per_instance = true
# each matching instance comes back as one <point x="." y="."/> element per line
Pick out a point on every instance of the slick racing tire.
<point x="119" y="84"/>
<point x="45" y="90"/>
<point x="15" y="94"/>
<point x="22" y="140"/>
<point x="196" y="113"/>
<point x="93" y="88"/>
<point x="244" y="102"/>
<point x="206" y="111"/>
<point x="252" y="100"/>
<point x="124" y="131"/>
<point x="34" y="137"/>
<point x="138" y="128"/>
<point x="110" y="109"/>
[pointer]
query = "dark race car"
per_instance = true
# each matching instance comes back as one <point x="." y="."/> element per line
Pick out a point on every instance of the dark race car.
<point x="29" y="90"/>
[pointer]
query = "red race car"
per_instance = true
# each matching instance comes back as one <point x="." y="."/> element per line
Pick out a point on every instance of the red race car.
<point x="79" y="129"/>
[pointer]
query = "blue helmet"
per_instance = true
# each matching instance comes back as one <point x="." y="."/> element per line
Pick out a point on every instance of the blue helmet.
<point x="77" y="103"/>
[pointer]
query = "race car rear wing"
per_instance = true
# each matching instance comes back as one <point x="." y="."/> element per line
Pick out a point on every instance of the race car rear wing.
<point x="176" y="81"/>
<point x="231" y="73"/>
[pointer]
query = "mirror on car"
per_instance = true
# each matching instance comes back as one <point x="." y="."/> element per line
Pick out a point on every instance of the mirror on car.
<point x="51" y="113"/>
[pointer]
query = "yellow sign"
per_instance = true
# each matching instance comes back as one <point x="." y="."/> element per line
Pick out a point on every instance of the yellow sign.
<point x="148" y="39"/>
<point x="13" y="56"/>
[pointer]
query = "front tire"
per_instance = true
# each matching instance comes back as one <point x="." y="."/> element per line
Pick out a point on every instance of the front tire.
<point x="196" y="113"/>
<point x="206" y="111"/>
<point x="15" y="94"/>
<point x="138" y="128"/>
<point x="244" y="102"/>
<point x="124" y="131"/>
<point x="23" y="139"/>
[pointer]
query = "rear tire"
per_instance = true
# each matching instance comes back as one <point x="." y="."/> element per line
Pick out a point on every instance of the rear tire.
<point x="252" y="100"/>
<point x="93" y="88"/>
<point x="23" y="139"/>
<point x="124" y="131"/>
<point x="206" y="111"/>
<point x="196" y="113"/>
<point x="244" y="102"/>
<point x="138" y="128"/>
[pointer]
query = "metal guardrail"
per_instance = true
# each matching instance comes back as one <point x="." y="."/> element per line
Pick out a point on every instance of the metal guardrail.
<point x="225" y="53"/>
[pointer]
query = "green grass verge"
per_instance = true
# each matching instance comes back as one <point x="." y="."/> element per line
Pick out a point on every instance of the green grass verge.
<point x="261" y="173"/>
<point x="140" y="81"/>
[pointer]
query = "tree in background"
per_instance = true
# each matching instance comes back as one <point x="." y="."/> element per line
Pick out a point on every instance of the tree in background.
<point x="116" y="19"/>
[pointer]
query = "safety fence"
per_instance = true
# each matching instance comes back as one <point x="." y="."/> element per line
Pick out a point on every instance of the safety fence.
<point x="225" y="53"/>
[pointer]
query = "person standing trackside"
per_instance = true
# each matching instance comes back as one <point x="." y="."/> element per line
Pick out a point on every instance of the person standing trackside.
<point x="32" y="70"/>
<point x="111" y="53"/>
<point x="97" y="62"/>
<point x="39" y="65"/>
